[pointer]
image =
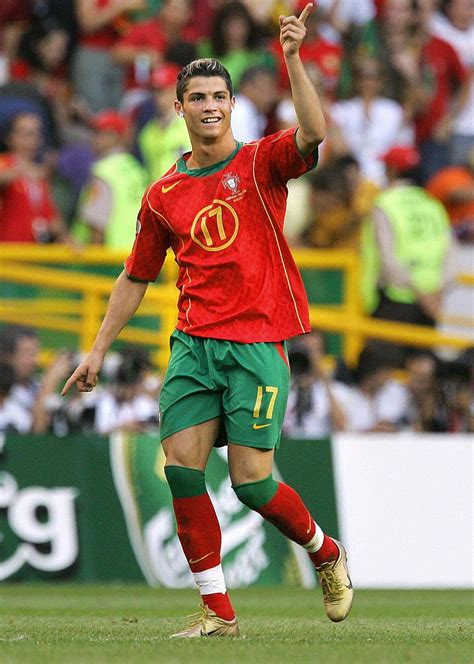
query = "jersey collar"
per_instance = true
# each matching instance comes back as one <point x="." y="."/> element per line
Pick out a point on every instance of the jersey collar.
<point x="181" y="166"/>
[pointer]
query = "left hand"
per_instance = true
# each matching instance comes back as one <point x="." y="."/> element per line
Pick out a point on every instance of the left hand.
<point x="292" y="31"/>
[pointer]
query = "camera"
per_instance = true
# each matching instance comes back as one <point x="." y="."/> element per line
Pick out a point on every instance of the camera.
<point x="299" y="359"/>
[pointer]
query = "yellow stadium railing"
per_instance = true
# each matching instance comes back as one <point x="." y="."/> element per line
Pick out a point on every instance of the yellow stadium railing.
<point x="43" y="266"/>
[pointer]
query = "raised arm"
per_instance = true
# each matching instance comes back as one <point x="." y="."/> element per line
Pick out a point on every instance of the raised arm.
<point x="312" y="126"/>
<point x="124" y="301"/>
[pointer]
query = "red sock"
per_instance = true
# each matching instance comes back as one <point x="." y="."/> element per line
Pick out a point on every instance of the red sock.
<point x="327" y="553"/>
<point x="200" y="535"/>
<point x="198" y="531"/>
<point x="290" y="515"/>
<point x="220" y="604"/>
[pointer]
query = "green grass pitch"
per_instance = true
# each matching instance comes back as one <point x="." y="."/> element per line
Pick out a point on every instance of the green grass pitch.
<point x="59" y="624"/>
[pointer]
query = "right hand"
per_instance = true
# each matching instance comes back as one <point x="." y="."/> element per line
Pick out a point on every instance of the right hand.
<point x="86" y="376"/>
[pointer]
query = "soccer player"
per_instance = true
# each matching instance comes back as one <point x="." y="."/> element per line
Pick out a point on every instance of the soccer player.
<point x="221" y="209"/>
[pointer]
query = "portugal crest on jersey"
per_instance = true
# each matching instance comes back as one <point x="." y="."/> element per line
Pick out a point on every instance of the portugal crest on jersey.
<point x="231" y="182"/>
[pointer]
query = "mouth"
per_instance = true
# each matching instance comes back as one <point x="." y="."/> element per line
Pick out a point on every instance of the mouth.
<point x="211" y="121"/>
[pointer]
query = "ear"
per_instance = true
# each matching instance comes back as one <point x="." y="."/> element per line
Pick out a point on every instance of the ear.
<point x="232" y="103"/>
<point x="178" y="107"/>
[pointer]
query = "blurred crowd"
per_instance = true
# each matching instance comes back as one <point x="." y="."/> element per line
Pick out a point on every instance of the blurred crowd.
<point x="430" y="396"/>
<point x="87" y="122"/>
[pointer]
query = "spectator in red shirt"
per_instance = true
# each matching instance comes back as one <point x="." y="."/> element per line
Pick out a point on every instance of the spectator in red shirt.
<point x="13" y="17"/>
<point x="145" y="45"/>
<point x="96" y="77"/>
<point x="27" y="210"/>
<point x="438" y="85"/>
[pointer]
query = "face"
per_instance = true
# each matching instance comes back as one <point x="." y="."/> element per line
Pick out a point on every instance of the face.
<point x="425" y="11"/>
<point x="105" y="141"/>
<point x="264" y="92"/>
<point x="164" y="99"/>
<point x="25" y="358"/>
<point x="314" y="342"/>
<point x="236" y="31"/>
<point x="368" y="79"/>
<point x="421" y="374"/>
<point x="25" y="137"/>
<point x="176" y="12"/>
<point x="52" y="49"/>
<point x="398" y="14"/>
<point x="461" y="13"/>
<point x="207" y="107"/>
<point x="377" y="380"/>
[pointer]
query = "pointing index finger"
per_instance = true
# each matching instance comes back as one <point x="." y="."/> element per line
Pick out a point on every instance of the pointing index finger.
<point x="75" y="376"/>
<point x="305" y="13"/>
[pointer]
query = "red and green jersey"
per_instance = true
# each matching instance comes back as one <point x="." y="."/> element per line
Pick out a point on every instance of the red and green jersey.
<point x="237" y="278"/>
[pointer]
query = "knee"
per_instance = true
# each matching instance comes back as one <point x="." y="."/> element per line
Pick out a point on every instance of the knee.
<point x="256" y="494"/>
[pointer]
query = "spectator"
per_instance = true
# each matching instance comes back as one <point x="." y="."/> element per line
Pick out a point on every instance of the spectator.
<point x="97" y="79"/>
<point x="339" y="200"/>
<point x="256" y="98"/>
<point x="377" y="403"/>
<point x="60" y="12"/>
<point x="236" y="41"/>
<point x="454" y="187"/>
<point x="164" y="138"/>
<point x="406" y="245"/>
<point x="316" y="402"/>
<point x="109" y="204"/>
<point x="370" y="124"/>
<point x="127" y="405"/>
<point x="27" y="210"/>
<point x="13" y="417"/>
<point x="341" y="16"/>
<point x="454" y="23"/>
<point x="426" y="407"/>
<point x="47" y="409"/>
<point x="13" y="15"/>
<point x="42" y="63"/>
<point x="145" y="45"/>
<point x="19" y="348"/>
<point x="391" y="38"/>
<point x="439" y="92"/>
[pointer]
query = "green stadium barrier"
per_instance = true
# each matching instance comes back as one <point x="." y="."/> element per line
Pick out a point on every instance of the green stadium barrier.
<point x="98" y="509"/>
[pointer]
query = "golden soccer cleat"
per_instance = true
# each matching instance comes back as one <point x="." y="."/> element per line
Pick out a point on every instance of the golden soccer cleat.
<point x="207" y="623"/>
<point x="336" y="585"/>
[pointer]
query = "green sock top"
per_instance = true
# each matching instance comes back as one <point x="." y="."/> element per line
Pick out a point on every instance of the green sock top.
<point x="185" y="482"/>
<point x="257" y="494"/>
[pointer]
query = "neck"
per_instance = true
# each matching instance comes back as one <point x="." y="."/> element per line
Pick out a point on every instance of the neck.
<point x="207" y="154"/>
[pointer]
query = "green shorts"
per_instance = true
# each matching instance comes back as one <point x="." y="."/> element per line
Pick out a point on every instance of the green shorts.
<point x="244" y="384"/>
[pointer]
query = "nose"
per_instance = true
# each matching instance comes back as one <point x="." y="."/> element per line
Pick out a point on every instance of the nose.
<point x="210" y="104"/>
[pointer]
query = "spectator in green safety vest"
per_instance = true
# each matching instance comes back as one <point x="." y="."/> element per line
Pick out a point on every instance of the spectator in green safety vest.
<point x="164" y="138"/>
<point x="407" y="251"/>
<point x="110" y="199"/>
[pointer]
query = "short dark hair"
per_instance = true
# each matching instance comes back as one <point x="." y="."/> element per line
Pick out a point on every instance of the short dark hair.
<point x="11" y="335"/>
<point x="7" y="379"/>
<point x="207" y="67"/>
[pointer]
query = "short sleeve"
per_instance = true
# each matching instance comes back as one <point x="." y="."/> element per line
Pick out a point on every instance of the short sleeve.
<point x="149" y="249"/>
<point x="280" y="158"/>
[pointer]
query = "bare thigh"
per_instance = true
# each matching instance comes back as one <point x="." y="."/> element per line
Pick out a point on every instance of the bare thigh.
<point x="191" y="447"/>
<point x="249" y="464"/>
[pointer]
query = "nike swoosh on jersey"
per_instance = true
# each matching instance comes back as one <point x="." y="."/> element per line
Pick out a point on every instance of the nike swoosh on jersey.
<point x="261" y="426"/>
<point x="198" y="560"/>
<point x="165" y="189"/>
